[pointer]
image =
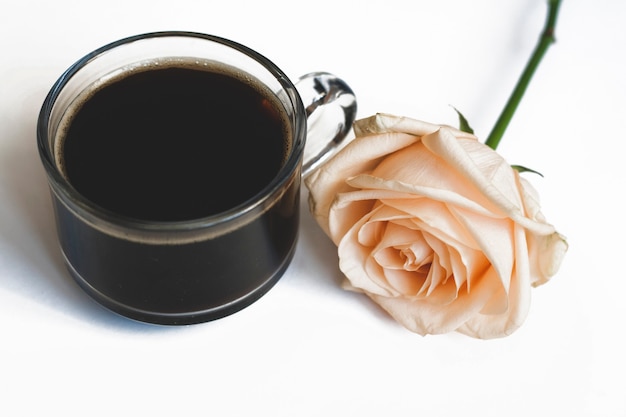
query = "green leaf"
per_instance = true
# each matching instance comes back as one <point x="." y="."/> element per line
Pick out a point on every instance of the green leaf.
<point x="520" y="168"/>
<point x="463" y="124"/>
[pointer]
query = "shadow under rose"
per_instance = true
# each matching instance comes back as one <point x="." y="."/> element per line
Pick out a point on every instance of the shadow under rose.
<point x="316" y="252"/>
<point x="315" y="248"/>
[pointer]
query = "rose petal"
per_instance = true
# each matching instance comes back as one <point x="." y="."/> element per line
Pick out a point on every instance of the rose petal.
<point x="438" y="288"/>
<point x="548" y="253"/>
<point x="405" y="258"/>
<point x="417" y="166"/>
<point x="494" y="238"/>
<point x="357" y="264"/>
<point x="530" y="200"/>
<point x="425" y="317"/>
<point x="457" y="243"/>
<point x="383" y="189"/>
<point x="406" y="283"/>
<point x="487" y="326"/>
<point x="435" y="217"/>
<point x="356" y="157"/>
<point x="383" y="123"/>
<point x="480" y="165"/>
<point x="402" y="248"/>
<point x="372" y="230"/>
<point x="386" y="123"/>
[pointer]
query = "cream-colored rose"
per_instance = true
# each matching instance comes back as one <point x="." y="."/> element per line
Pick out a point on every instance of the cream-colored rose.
<point x="435" y="226"/>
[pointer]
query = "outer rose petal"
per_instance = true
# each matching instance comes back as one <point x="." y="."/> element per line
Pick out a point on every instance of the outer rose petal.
<point x="356" y="157"/>
<point x="547" y="251"/>
<point x="469" y="227"/>
<point x="495" y="179"/>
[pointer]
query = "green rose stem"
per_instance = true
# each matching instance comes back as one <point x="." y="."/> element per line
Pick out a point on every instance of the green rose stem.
<point x="545" y="40"/>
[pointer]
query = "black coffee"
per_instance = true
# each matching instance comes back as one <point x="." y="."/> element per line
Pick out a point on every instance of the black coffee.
<point x="169" y="144"/>
<point x="174" y="142"/>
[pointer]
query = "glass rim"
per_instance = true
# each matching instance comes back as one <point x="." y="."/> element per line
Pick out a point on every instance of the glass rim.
<point x="89" y="211"/>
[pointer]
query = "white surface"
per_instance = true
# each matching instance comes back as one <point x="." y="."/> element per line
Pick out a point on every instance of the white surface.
<point x="308" y="348"/>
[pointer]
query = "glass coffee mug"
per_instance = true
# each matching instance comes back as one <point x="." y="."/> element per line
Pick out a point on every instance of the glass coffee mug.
<point x="174" y="161"/>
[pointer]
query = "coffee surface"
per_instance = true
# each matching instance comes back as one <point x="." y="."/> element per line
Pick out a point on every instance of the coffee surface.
<point x="174" y="143"/>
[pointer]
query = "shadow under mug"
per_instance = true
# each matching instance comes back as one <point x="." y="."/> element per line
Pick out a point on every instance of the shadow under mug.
<point x="190" y="271"/>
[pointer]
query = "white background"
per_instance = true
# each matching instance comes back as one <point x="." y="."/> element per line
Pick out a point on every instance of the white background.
<point x="308" y="348"/>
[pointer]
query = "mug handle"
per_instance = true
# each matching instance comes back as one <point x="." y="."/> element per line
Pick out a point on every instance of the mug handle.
<point x="330" y="106"/>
